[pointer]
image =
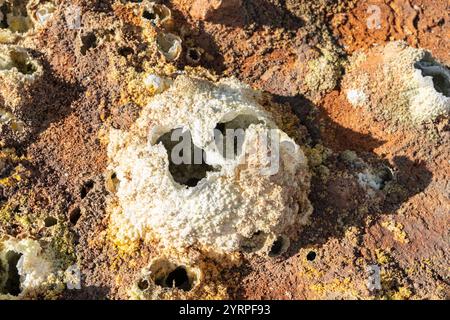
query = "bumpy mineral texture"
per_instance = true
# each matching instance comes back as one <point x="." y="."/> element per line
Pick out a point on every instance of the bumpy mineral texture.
<point x="335" y="187"/>
<point x="223" y="200"/>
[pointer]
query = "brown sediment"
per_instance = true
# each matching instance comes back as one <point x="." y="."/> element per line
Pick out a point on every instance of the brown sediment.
<point x="296" y="51"/>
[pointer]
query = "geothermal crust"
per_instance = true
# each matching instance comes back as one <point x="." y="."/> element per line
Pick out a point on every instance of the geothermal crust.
<point x="33" y="267"/>
<point x="399" y="83"/>
<point x="236" y="204"/>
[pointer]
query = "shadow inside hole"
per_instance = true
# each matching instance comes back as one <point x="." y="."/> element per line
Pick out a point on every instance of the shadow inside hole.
<point x="178" y="278"/>
<point x="125" y="51"/>
<point x="230" y="136"/>
<point x="279" y="246"/>
<point x="86" y="188"/>
<point x="12" y="283"/>
<point x="143" y="284"/>
<point x="88" y="41"/>
<point x="50" y="222"/>
<point x="186" y="161"/>
<point x="75" y="215"/>
<point x="438" y="73"/>
<point x="254" y="243"/>
<point x="18" y="11"/>
<point x="166" y="274"/>
<point x="311" y="256"/>
<point x="149" y="15"/>
<point x="22" y="62"/>
<point x="4" y="20"/>
<point x="193" y="56"/>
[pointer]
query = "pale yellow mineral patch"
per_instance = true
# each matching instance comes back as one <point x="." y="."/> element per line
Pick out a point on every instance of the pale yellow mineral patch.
<point x="229" y="202"/>
<point x="399" y="83"/>
<point x="23" y="267"/>
<point x="19" y="72"/>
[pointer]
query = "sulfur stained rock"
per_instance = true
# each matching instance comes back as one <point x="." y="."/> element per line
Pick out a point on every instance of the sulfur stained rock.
<point x="20" y="19"/>
<point x="14" y="20"/>
<point x="40" y="11"/>
<point x="167" y="279"/>
<point x="31" y="269"/>
<point x="227" y="200"/>
<point x="19" y="74"/>
<point x="169" y="45"/>
<point x="157" y="14"/>
<point x="400" y="84"/>
<point x="8" y="119"/>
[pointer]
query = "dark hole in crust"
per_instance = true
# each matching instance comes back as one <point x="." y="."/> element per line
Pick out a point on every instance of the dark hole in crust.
<point x="233" y="132"/>
<point x="188" y="174"/>
<point x="277" y="247"/>
<point x="254" y="243"/>
<point x="311" y="256"/>
<point x="143" y="284"/>
<point x="386" y="175"/>
<point x="12" y="284"/>
<point x="125" y="51"/>
<point x="89" y="41"/>
<point x="178" y="278"/>
<point x="149" y="15"/>
<point x="440" y="81"/>
<point x="4" y="11"/>
<point x="86" y="188"/>
<point x="193" y="55"/>
<point x="17" y="8"/>
<point x="75" y="215"/>
<point x="50" y="222"/>
<point x="21" y="61"/>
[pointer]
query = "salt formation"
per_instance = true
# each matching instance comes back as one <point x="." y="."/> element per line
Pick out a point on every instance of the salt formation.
<point x="19" y="73"/>
<point x="399" y="83"/>
<point x="20" y="18"/>
<point x="23" y="267"/>
<point x="228" y="201"/>
<point x="169" y="45"/>
<point x="7" y="118"/>
<point x="158" y="14"/>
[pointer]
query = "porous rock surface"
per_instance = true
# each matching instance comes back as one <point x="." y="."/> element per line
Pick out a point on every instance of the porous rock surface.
<point x="235" y="200"/>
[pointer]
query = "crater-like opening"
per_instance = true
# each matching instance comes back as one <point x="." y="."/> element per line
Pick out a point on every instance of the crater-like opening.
<point x="12" y="283"/>
<point x="157" y="13"/>
<point x="169" y="275"/>
<point x="311" y="256"/>
<point x="75" y="215"/>
<point x="14" y="16"/>
<point x="230" y="136"/>
<point x="440" y="76"/>
<point x="3" y="17"/>
<point x="87" y="186"/>
<point x="149" y="15"/>
<point x="169" y="45"/>
<point x="21" y="61"/>
<point x="50" y="222"/>
<point x="254" y="243"/>
<point x="279" y="246"/>
<point x="178" y="278"/>
<point x="193" y="56"/>
<point x="385" y="174"/>
<point x="143" y="284"/>
<point x="88" y="42"/>
<point x="125" y="51"/>
<point x="186" y="161"/>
